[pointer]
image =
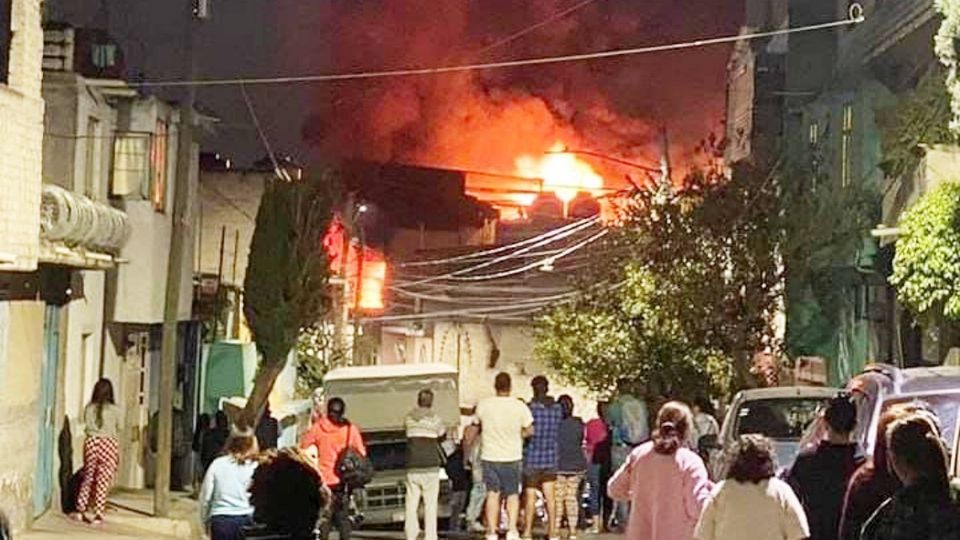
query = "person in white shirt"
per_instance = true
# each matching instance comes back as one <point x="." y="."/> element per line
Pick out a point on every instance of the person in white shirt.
<point x="751" y="502"/>
<point x="225" y="507"/>
<point x="704" y="423"/>
<point x="504" y="423"/>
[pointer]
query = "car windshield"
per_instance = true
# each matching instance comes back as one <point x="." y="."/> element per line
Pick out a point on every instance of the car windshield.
<point x="780" y="418"/>
<point x="387" y="455"/>
<point x="943" y="405"/>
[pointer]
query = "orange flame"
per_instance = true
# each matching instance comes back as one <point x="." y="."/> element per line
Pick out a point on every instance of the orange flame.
<point x="562" y="173"/>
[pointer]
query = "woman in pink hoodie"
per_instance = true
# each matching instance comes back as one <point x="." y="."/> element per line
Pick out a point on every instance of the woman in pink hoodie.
<point x="666" y="483"/>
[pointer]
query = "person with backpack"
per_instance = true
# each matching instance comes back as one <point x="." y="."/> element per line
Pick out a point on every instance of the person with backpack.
<point x="424" y="459"/>
<point x="341" y="462"/>
<point x="101" y="453"/>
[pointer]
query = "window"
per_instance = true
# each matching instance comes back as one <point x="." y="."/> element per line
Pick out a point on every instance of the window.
<point x="131" y="168"/>
<point x="158" y="166"/>
<point x="92" y="159"/>
<point x="6" y="38"/>
<point x="784" y="418"/>
<point x="104" y="55"/>
<point x="813" y="135"/>
<point x="846" y="146"/>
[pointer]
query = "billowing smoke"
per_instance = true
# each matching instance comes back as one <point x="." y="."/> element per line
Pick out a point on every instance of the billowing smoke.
<point x="483" y="120"/>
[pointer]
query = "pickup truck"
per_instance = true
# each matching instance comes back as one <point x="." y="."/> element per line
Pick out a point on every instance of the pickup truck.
<point x="377" y="399"/>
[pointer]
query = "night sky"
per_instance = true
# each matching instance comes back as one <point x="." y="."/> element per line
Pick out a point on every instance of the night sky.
<point x="474" y="121"/>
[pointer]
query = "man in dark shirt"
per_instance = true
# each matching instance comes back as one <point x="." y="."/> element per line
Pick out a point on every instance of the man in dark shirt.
<point x="820" y="477"/>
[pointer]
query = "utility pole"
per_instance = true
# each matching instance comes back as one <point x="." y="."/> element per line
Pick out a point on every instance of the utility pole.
<point x="358" y="294"/>
<point x="665" y="187"/>
<point x="178" y="240"/>
<point x="342" y="297"/>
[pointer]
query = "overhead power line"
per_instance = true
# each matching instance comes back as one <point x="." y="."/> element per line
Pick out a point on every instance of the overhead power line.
<point x="508" y="256"/>
<point x="534" y="27"/>
<point x="536" y="264"/>
<point x="855" y="17"/>
<point x="501" y="249"/>
<point x="280" y="173"/>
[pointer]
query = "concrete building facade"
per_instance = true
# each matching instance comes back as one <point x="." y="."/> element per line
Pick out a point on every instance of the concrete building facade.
<point x="22" y="411"/>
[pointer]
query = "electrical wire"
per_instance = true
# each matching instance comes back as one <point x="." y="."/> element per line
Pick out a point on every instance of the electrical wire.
<point x="536" y="264"/>
<point x="534" y="27"/>
<point x="500" y="249"/>
<point x="855" y="17"/>
<point x="504" y="258"/>
<point x="281" y="173"/>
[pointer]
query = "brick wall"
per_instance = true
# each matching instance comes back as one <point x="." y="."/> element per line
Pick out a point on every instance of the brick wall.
<point x="21" y="137"/>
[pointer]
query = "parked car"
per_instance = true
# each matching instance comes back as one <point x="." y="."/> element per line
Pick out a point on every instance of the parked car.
<point x="781" y="413"/>
<point x="880" y="386"/>
<point x="936" y="387"/>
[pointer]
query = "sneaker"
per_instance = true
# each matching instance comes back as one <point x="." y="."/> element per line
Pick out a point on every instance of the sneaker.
<point x="491" y="537"/>
<point x="477" y="527"/>
<point x="513" y="535"/>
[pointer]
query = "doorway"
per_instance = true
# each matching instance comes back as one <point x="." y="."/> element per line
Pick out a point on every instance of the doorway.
<point x="43" y="484"/>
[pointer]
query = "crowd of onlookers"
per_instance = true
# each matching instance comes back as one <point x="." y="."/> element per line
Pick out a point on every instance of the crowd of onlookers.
<point x="519" y="463"/>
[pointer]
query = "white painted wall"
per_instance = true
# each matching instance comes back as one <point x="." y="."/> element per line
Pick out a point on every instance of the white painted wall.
<point x="141" y="281"/>
<point x="21" y="132"/>
<point x="228" y="199"/>
<point x="516" y="358"/>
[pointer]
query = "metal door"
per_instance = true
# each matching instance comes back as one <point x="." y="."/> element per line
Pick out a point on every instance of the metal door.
<point x="43" y="478"/>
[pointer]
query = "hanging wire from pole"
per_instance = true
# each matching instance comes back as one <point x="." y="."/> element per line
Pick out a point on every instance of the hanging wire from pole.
<point x="855" y="16"/>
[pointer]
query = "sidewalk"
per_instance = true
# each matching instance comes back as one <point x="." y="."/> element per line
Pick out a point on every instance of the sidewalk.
<point x="129" y="515"/>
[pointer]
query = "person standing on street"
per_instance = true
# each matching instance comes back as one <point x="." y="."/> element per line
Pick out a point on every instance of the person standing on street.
<point x="665" y="481"/>
<point x="332" y="435"/>
<point x="213" y="440"/>
<point x="597" y="447"/>
<point x="425" y="430"/>
<point x="288" y="495"/>
<point x="101" y="453"/>
<point x="225" y="507"/>
<point x="874" y="482"/>
<point x="570" y="469"/>
<point x="704" y="423"/>
<point x="478" y="490"/>
<point x="923" y="508"/>
<point x="820" y="477"/>
<point x="751" y="502"/>
<point x="456" y="469"/>
<point x="268" y="430"/>
<point x="628" y="418"/>
<point x="504" y="423"/>
<point x="541" y="457"/>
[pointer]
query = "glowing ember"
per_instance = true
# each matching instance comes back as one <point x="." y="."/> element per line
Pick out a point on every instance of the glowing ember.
<point x="563" y="174"/>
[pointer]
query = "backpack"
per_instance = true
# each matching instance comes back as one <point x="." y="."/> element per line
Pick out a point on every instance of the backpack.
<point x="354" y="469"/>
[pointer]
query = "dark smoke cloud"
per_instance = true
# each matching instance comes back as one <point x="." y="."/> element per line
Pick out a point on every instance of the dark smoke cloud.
<point x="484" y="120"/>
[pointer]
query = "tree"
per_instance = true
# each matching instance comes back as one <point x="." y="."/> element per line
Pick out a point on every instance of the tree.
<point x="695" y="282"/>
<point x="926" y="267"/>
<point x="285" y="289"/>
<point x="598" y="340"/>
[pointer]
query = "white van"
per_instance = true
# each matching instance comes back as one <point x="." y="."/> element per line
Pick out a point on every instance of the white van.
<point x="377" y="399"/>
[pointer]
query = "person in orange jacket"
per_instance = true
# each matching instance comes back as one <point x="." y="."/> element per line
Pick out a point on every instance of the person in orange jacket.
<point x="331" y="435"/>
